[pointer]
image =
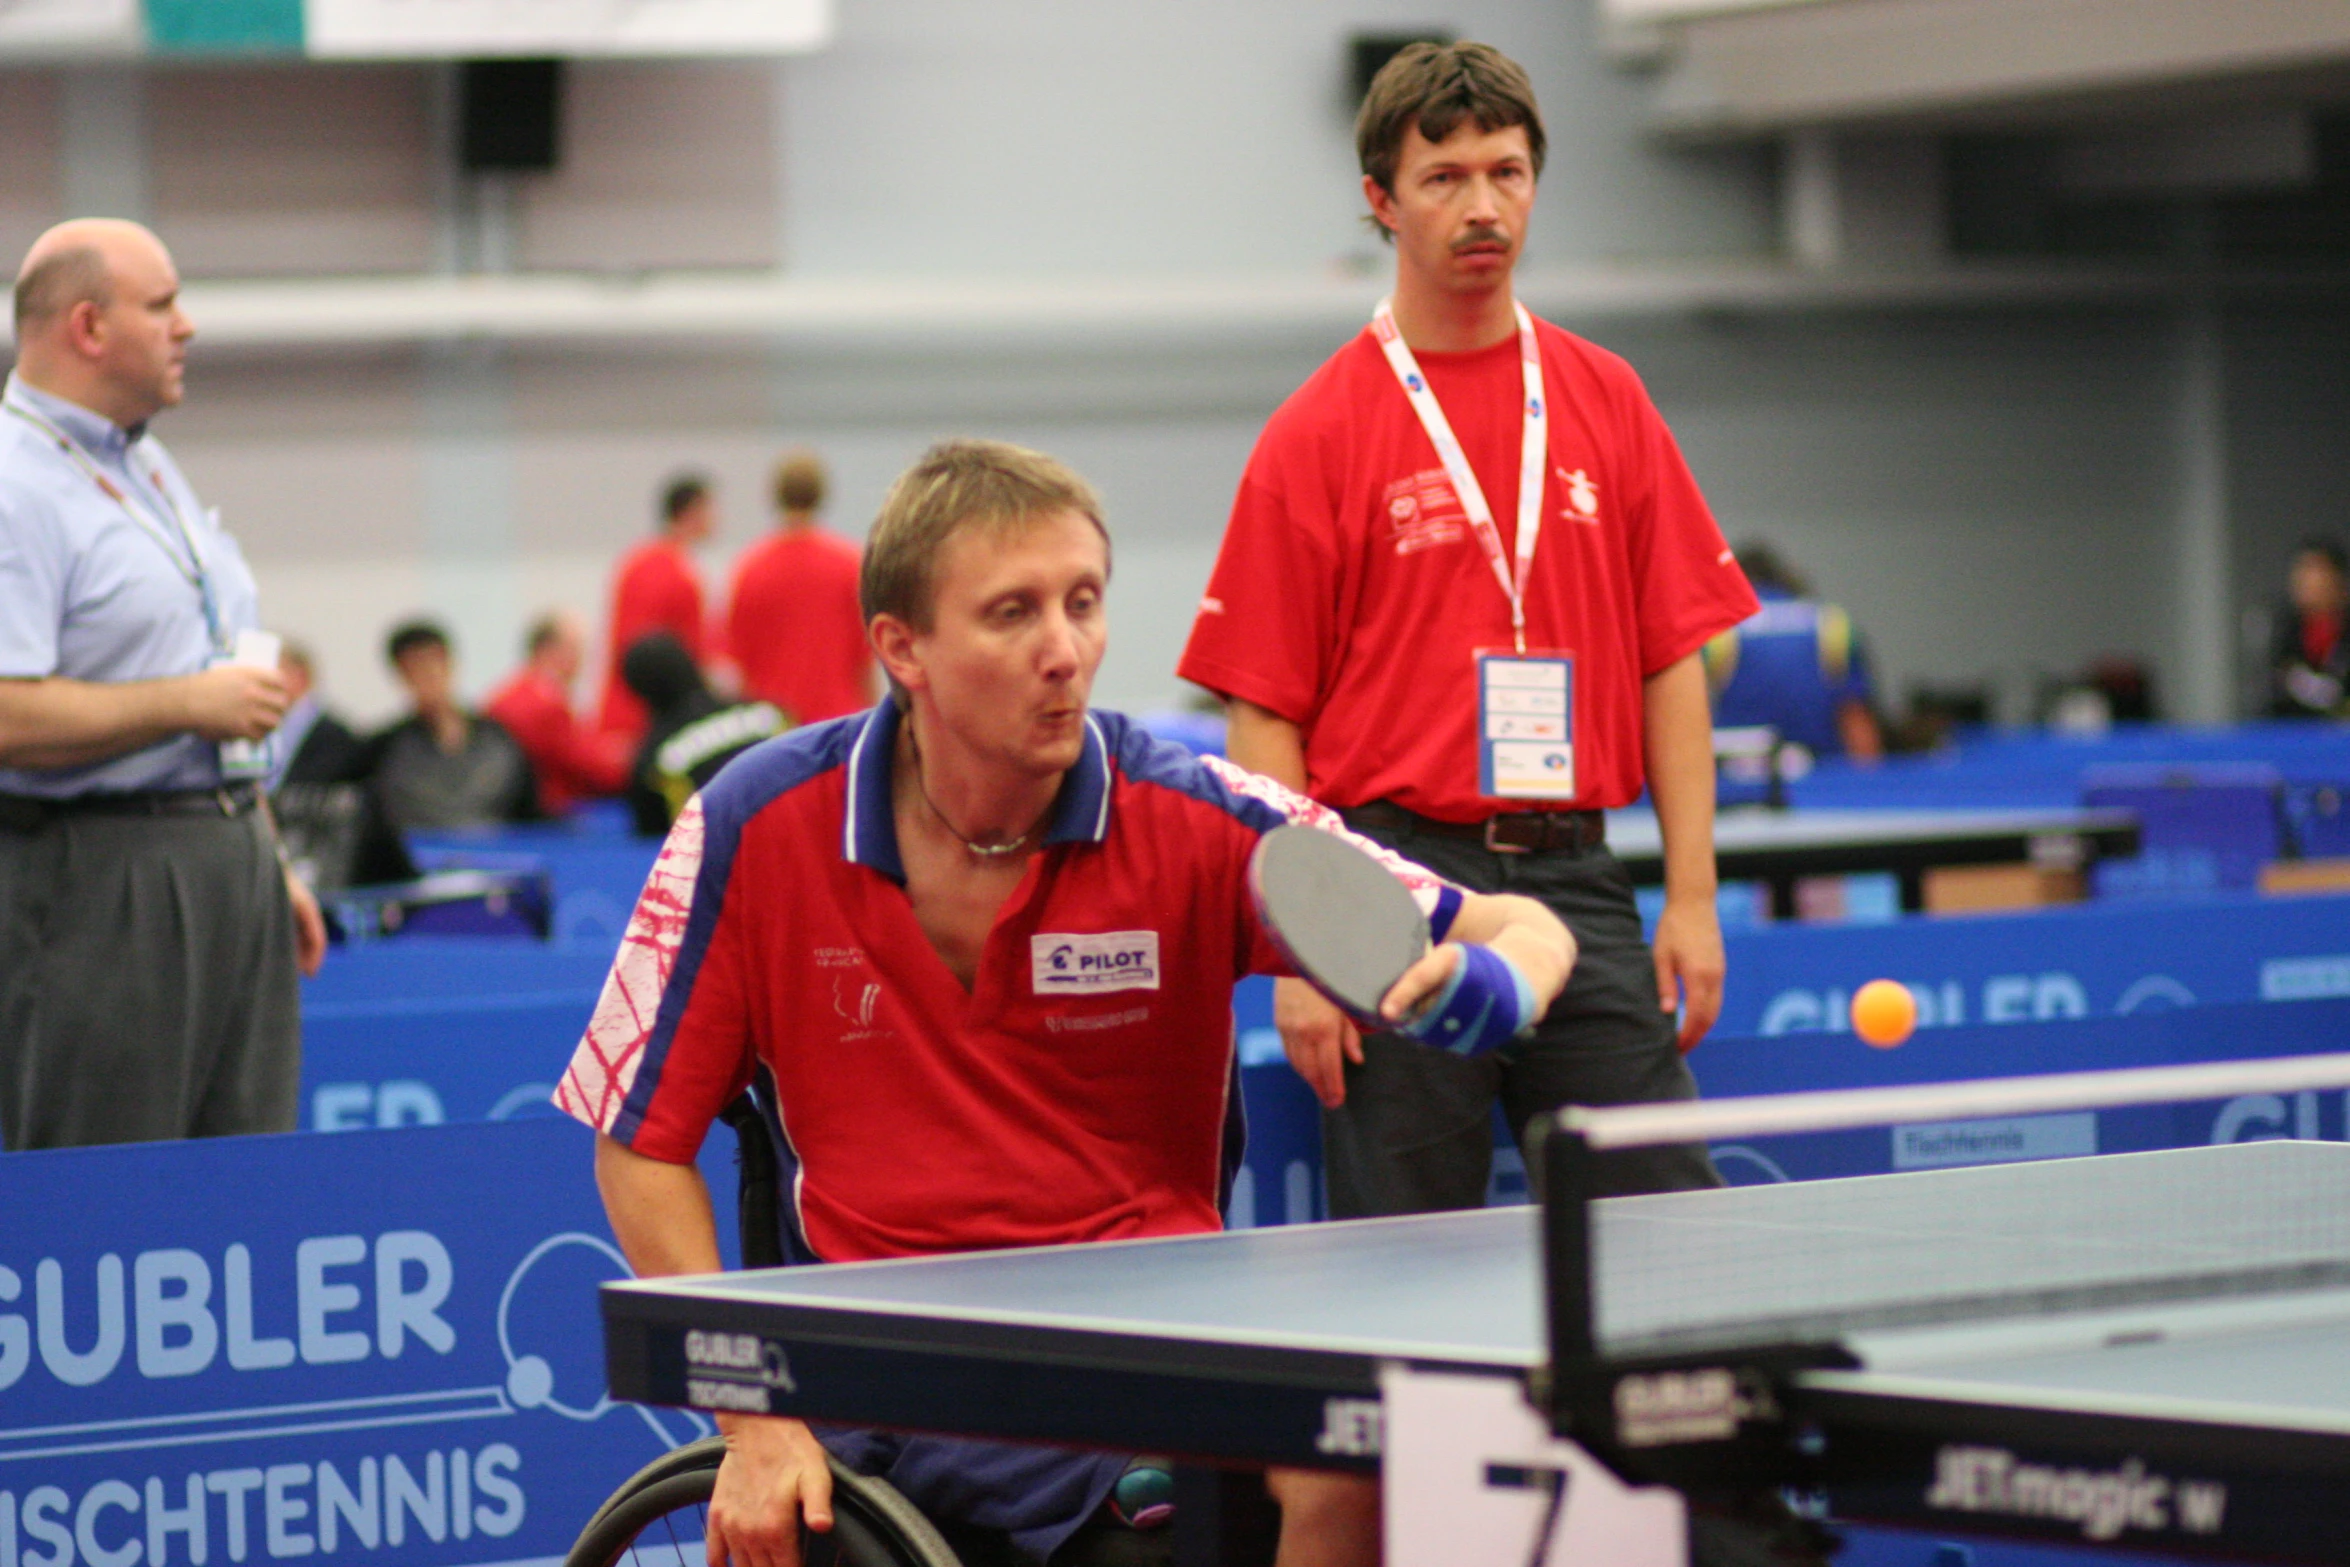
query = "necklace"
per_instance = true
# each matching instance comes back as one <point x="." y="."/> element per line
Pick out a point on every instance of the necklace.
<point x="985" y="851"/>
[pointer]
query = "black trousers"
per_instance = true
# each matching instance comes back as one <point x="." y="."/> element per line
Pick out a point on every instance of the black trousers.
<point x="1415" y="1134"/>
<point x="147" y="985"/>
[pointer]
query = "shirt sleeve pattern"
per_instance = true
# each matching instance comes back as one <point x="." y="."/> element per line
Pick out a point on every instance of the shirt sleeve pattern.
<point x="1439" y="899"/>
<point x="603" y="1069"/>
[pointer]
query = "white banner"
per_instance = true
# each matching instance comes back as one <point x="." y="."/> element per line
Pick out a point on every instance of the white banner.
<point x="77" y="27"/>
<point x="476" y="29"/>
<point x="1642" y="12"/>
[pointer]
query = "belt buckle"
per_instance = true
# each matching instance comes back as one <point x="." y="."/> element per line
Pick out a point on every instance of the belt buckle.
<point x="1495" y="845"/>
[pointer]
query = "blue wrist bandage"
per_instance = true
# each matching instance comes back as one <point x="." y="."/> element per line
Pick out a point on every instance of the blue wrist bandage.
<point x="1485" y="1002"/>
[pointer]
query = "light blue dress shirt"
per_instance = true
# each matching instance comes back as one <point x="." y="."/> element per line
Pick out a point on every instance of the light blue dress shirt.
<point x="101" y="587"/>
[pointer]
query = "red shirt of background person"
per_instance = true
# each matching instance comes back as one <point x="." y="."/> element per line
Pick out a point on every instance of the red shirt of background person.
<point x="793" y="625"/>
<point x="659" y="588"/>
<point x="571" y="761"/>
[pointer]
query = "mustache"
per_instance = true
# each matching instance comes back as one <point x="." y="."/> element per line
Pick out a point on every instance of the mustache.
<point x="1480" y="236"/>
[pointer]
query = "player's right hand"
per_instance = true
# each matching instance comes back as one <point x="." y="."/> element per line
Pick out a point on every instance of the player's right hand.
<point x="774" y="1476"/>
<point x="236" y="702"/>
<point x="1318" y="1037"/>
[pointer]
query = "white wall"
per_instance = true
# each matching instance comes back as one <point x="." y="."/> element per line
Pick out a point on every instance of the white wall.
<point x="326" y="472"/>
<point x="1067" y="136"/>
<point x="1992" y="490"/>
<point x="1990" y="494"/>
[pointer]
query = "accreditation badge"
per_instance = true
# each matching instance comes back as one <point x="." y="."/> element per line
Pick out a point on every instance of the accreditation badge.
<point x="241" y="760"/>
<point x="1526" y="726"/>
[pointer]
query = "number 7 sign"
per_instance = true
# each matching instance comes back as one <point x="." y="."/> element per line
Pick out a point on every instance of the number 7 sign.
<point x="1472" y="1475"/>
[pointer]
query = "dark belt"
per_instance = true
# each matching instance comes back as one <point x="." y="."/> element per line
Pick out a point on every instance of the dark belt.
<point x="28" y="813"/>
<point x="1510" y="832"/>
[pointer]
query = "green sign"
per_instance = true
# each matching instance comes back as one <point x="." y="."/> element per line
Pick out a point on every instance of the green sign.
<point x="224" y="26"/>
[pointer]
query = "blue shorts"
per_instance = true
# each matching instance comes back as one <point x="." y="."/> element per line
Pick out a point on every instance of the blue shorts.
<point x="1035" y="1496"/>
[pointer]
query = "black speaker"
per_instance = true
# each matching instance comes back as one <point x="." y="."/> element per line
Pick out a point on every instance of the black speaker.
<point x="510" y="114"/>
<point x="1371" y="51"/>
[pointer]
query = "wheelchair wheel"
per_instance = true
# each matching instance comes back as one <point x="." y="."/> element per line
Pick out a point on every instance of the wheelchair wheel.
<point x="703" y="1454"/>
<point x="659" y="1518"/>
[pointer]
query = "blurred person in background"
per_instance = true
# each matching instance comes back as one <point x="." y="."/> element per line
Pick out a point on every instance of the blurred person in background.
<point x="659" y="588"/>
<point x="314" y="746"/>
<point x="149" y="933"/>
<point x="331" y="825"/>
<point x="793" y="625"/>
<point x="442" y="766"/>
<point x="1795" y="664"/>
<point x="692" y="734"/>
<point x="2309" y="666"/>
<point x="572" y="761"/>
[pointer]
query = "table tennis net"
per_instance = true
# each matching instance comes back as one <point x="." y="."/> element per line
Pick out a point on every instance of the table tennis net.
<point x="1819" y="1261"/>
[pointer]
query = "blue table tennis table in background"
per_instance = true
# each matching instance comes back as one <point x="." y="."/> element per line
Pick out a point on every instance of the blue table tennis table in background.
<point x="1781" y="848"/>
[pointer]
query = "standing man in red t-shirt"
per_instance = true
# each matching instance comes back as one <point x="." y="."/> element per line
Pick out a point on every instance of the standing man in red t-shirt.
<point x="793" y="626"/>
<point x="659" y="588"/>
<point x="1461" y="599"/>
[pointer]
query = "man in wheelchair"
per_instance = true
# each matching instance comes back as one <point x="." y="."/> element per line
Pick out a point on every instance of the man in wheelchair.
<point x="982" y="942"/>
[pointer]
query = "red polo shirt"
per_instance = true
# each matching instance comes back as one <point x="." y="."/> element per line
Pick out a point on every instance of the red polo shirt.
<point x="1081" y="1090"/>
<point x="1351" y="594"/>
<point x="570" y="761"/>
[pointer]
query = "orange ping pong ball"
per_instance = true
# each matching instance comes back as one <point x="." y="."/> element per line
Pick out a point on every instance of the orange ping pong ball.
<point x="1884" y="1013"/>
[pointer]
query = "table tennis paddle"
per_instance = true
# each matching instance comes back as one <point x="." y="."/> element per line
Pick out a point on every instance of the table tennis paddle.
<point x="1343" y="921"/>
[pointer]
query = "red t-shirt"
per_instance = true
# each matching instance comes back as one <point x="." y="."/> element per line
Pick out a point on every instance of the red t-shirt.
<point x="656" y="589"/>
<point x="1351" y="593"/>
<point x="571" y="761"/>
<point x="2319" y="633"/>
<point x="794" y="629"/>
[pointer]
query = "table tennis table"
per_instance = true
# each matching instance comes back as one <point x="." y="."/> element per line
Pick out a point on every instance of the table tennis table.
<point x="2150" y="1350"/>
<point x="1783" y="847"/>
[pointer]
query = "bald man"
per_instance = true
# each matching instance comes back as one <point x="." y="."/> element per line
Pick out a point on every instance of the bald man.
<point x="149" y="938"/>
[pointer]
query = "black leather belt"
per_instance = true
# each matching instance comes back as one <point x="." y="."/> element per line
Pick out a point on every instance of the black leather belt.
<point x="28" y="813"/>
<point x="1510" y="832"/>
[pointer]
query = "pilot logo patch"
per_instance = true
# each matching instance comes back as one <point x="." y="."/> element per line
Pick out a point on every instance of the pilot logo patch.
<point x="1090" y="965"/>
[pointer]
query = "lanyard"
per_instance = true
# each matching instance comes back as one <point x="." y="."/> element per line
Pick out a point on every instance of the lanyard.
<point x="1533" y="455"/>
<point x="191" y="568"/>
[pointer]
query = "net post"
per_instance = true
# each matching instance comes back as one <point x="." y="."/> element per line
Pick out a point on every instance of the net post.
<point x="1563" y="1176"/>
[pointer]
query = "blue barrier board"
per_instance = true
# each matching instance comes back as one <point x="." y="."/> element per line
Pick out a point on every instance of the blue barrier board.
<point x="468" y="1031"/>
<point x="483" y="1058"/>
<point x="1730" y="1068"/>
<point x="452" y="969"/>
<point x="2080" y="961"/>
<point x="433" y="1035"/>
<point x="254" y="1349"/>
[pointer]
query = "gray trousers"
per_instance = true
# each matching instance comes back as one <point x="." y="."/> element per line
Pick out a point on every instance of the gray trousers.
<point x="147" y="986"/>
